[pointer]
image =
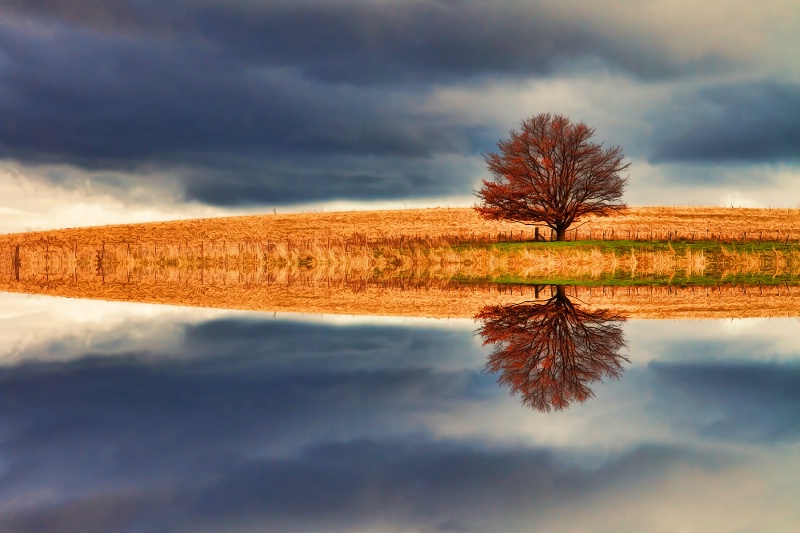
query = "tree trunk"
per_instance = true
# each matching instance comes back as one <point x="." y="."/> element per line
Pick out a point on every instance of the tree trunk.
<point x="560" y="293"/>
<point x="561" y="234"/>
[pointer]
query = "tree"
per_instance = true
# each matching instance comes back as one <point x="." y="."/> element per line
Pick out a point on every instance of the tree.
<point x="551" y="352"/>
<point x="549" y="172"/>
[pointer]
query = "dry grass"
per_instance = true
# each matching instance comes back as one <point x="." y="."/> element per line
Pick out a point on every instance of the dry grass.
<point x="316" y="292"/>
<point x="42" y="259"/>
<point x="402" y="225"/>
<point x="395" y="227"/>
<point x="395" y="240"/>
<point x="695" y="223"/>
<point x="390" y="263"/>
<point x="232" y="277"/>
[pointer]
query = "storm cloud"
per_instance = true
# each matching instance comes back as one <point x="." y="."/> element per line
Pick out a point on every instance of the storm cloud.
<point x="753" y="122"/>
<point x="101" y="98"/>
<point x="355" y="42"/>
<point x="284" y="102"/>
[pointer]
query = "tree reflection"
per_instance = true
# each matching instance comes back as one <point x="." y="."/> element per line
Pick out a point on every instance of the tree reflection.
<point x="551" y="352"/>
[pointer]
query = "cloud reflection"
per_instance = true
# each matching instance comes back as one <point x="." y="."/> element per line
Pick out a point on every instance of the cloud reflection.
<point x="243" y="424"/>
<point x="734" y="400"/>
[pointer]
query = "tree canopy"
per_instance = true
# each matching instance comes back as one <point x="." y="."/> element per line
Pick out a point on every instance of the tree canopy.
<point x="550" y="173"/>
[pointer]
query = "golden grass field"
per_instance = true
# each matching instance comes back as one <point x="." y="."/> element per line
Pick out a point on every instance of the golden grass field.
<point x="436" y="223"/>
<point x="388" y="262"/>
<point x="379" y="239"/>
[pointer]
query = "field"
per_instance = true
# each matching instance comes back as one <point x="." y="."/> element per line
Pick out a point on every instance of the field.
<point x="444" y="242"/>
<point x="453" y="225"/>
<point x="429" y="262"/>
<point x="305" y="293"/>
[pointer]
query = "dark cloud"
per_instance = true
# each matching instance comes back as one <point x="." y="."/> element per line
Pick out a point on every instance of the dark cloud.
<point x="228" y="132"/>
<point x="753" y="122"/>
<point x="351" y="41"/>
<point x="278" y="102"/>
<point x="738" y="401"/>
<point x="364" y="43"/>
<point x="97" y="99"/>
<point x="248" y="182"/>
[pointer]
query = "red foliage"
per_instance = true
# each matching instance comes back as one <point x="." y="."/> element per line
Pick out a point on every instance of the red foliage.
<point x="551" y="352"/>
<point x="549" y="173"/>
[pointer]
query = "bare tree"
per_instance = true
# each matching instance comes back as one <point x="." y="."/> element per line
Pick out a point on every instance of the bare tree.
<point x="551" y="352"/>
<point x="549" y="173"/>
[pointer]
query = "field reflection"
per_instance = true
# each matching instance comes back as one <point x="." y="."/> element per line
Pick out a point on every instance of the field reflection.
<point x="404" y="278"/>
<point x="348" y="289"/>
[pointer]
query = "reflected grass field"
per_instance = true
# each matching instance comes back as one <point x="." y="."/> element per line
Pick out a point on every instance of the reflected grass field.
<point x="709" y="247"/>
<point x="626" y="263"/>
<point x="314" y="292"/>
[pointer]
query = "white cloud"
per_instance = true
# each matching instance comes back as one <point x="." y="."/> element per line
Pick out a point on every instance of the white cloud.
<point x="28" y="202"/>
<point x="592" y="97"/>
<point x="758" y="185"/>
<point x="763" y="36"/>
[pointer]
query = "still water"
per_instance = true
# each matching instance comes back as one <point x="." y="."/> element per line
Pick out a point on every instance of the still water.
<point x="124" y="417"/>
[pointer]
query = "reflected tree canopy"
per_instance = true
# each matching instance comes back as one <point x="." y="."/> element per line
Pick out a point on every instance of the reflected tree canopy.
<point x="551" y="352"/>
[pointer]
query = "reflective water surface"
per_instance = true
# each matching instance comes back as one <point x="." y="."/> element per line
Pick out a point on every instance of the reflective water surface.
<point x="541" y="415"/>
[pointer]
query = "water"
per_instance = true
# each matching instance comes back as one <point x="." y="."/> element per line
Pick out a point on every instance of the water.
<point x="128" y="417"/>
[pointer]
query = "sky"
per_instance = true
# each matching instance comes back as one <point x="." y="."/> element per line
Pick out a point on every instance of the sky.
<point x="127" y="417"/>
<point x="133" y="110"/>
